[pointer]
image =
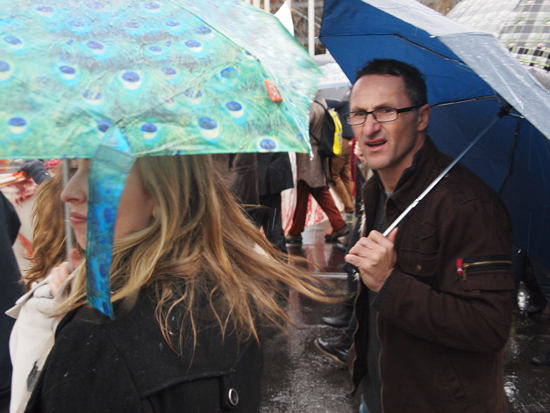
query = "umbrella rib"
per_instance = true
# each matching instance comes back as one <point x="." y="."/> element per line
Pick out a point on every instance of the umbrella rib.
<point x="450" y="59"/>
<point x="454" y="102"/>
<point x="445" y="171"/>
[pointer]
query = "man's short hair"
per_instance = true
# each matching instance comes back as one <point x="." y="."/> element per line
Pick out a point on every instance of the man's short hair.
<point x="415" y="85"/>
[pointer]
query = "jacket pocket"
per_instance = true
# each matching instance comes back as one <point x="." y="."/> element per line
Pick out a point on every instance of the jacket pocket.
<point x="487" y="272"/>
<point x="418" y="263"/>
<point x="451" y="378"/>
<point x="418" y="249"/>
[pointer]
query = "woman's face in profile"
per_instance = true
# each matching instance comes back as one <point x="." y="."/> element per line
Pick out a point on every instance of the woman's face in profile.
<point x="135" y="209"/>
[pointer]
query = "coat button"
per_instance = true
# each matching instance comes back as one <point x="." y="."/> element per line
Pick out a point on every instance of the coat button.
<point x="418" y="268"/>
<point x="233" y="397"/>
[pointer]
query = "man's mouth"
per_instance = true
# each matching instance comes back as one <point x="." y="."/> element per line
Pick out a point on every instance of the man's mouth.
<point x="375" y="143"/>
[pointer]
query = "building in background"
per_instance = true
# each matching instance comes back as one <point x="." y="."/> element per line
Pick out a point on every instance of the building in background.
<point x="301" y="22"/>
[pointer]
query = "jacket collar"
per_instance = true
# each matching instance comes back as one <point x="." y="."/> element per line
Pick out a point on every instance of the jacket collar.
<point x="427" y="163"/>
<point x="407" y="173"/>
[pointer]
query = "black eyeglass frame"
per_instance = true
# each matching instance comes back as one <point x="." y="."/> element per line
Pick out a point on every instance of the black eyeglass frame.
<point x="397" y="112"/>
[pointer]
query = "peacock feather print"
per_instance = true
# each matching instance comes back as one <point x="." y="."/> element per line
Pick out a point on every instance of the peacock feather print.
<point x="175" y="76"/>
<point x="113" y="80"/>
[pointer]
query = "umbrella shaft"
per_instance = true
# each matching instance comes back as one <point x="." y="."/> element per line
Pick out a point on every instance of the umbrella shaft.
<point x="441" y="175"/>
<point x="68" y="235"/>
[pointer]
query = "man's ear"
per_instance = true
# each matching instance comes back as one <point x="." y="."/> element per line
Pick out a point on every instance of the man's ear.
<point x="423" y="117"/>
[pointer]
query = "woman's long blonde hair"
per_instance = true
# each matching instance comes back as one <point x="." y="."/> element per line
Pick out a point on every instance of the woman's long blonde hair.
<point x="48" y="237"/>
<point x="199" y="248"/>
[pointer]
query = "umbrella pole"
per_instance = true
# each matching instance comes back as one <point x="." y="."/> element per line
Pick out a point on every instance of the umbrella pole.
<point x="68" y="234"/>
<point x="442" y="174"/>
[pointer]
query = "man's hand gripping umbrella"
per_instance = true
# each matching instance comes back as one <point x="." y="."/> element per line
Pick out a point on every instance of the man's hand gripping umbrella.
<point x="375" y="257"/>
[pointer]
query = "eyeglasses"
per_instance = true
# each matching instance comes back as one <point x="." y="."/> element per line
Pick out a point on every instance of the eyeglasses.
<point x="380" y="115"/>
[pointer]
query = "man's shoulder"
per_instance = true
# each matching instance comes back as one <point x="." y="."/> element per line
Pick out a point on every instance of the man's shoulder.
<point x="462" y="186"/>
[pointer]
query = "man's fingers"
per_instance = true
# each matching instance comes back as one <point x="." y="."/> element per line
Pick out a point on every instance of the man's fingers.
<point x="374" y="243"/>
<point x="353" y="259"/>
<point x="392" y="235"/>
<point x="380" y="239"/>
<point x="363" y="242"/>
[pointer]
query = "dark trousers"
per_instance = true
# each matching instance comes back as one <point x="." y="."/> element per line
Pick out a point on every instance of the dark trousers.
<point x="269" y="216"/>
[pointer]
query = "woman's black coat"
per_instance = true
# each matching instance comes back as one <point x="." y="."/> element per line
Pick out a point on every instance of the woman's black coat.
<point x="126" y="365"/>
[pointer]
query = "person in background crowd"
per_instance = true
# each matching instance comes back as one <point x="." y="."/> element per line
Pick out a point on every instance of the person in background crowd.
<point x="36" y="169"/>
<point x="10" y="289"/>
<point x="311" y="180"/>
<point x="336" y="347"/>
<point x="274" y="176"/>
<point x="239" y="171"/>
<point x="340" y="173"/>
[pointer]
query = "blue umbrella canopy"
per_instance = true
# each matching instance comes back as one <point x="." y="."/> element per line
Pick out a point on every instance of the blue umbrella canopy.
<point x="113" y="80"/>
<point x="470" y="77"/>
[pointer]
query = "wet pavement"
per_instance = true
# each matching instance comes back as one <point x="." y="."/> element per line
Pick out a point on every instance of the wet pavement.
<point x="298" y="378"/>
<point x="527" y="386"/>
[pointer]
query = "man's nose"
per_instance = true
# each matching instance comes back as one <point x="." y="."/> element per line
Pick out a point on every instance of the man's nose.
<point x="371" y="125"/>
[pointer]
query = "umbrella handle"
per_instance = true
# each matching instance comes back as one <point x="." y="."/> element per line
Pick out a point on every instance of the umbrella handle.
<point x="442" y="174"/>
<point x="68" y="234"/>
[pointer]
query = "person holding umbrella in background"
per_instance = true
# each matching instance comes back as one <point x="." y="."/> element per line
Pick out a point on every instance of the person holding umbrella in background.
<point x="435" y="298"/>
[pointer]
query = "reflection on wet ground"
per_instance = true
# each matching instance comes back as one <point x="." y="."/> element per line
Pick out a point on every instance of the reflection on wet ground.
<point x="297" y="378"/>
<point x="527" y="386"/>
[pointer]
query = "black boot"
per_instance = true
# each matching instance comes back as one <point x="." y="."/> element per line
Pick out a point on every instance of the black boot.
<point x="543" y="359"/>
<point x="336" y="348"/>
<point x="341" y="319"/>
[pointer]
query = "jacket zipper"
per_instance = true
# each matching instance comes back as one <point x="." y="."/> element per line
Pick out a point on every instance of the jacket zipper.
<point x="466" y="266"/>
<point x="352" y="367"/>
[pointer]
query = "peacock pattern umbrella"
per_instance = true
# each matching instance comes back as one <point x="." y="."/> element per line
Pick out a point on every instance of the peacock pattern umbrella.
<point x="177" y="77"/>
<point x="113" y="80"/>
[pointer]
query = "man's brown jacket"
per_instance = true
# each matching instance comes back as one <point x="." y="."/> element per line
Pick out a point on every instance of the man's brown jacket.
<point x="445" y="312"/>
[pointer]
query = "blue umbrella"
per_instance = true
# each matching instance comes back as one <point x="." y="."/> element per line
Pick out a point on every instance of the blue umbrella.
<point x="477" y="90"/>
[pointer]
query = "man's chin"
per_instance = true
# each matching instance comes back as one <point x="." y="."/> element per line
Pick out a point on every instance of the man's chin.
<point x="376" y="161"/>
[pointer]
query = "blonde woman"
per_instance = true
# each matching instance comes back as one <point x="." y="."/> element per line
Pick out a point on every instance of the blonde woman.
<point x="32" y="334"/>
<point x="189" y="290"/>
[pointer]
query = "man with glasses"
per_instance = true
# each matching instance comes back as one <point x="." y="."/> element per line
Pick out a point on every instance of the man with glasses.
<point x="435" y="298"/>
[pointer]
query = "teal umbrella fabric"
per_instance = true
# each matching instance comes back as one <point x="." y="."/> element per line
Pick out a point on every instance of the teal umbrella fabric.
<point x="176" y="76"/>
<point x="114" y="80"/>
